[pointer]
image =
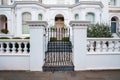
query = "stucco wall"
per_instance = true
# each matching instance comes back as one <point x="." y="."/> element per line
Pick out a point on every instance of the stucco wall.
<point x="13" y="62"/>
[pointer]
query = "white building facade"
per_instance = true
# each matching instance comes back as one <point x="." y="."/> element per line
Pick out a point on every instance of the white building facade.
<point x="15" y="13"/>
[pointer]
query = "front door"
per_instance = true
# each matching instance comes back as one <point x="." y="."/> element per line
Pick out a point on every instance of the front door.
<point x="113" y="27"/>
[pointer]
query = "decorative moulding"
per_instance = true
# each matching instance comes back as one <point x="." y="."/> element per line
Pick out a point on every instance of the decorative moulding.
<point x="37" y="24"/>
<point x="79" y="23"/>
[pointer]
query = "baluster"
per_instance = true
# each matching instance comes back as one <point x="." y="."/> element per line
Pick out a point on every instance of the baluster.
<point x="88" y="46"/>
<point x="1" y="47"/>
<point x="111" y="46"/>
<point x="25" y="47"/>
<point x="19" y="48"/>
<point x="116" y="46"/>
<point x="104" y="46"/>
<point x="98" y="46"/>
<point x="91" y="46"/>
<point x="13" y="48"/>
<point x="7" y="47"/>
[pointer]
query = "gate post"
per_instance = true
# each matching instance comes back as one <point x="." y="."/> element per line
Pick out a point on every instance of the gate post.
<point x="37" y="31"/>
<point x="79" y="43"/>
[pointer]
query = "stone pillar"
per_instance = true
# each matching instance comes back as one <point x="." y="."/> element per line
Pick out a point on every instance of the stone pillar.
<point x="79" y="43"/>
<point x="37" y="30"/>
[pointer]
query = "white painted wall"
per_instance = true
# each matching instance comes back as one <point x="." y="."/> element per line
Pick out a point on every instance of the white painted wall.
<point x="14" y="62"/>
<point x="37" y="44"/>
<point x="102" y="61"/>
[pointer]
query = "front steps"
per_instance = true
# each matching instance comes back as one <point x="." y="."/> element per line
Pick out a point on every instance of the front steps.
<point x="58" y="57"/>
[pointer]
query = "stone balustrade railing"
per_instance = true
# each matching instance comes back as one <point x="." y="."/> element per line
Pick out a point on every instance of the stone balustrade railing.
<point x="14" y="47"/>
<point x="105" y="45"/>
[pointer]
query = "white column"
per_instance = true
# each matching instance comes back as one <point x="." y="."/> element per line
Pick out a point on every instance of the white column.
<point x="79" y="43"/>
<point x="37" y="44"/>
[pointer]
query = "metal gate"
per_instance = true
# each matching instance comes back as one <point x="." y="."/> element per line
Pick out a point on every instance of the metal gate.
<point x="58" y="55"/>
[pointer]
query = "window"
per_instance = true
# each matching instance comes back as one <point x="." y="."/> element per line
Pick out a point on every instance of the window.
<point x="39" y="16"/>
<point x="25" y="17"/>
<point x="113" y="2"/>
<point x="90" y="17"/>
<point x="40" y="1"/>
<point x="76" y="1"/>
<point x="76" y="17"/>
<point x="4" y="2"/>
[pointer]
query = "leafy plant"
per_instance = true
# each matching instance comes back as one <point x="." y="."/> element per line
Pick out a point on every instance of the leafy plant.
<point x="65" y="39"/>
<point x="52" y="39"/>
<point x="99" y="30"/>
<point x="27" y="38"/>
<point x="16" y="38"/>
<point x="4" y="38"/>
<point x="4" y="31"/>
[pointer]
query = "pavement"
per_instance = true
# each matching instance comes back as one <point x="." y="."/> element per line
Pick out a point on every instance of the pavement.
<point x="74" y="75"/>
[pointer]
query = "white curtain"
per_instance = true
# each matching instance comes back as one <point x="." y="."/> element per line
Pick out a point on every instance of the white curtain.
<point x="25" y="17"/>
<point x="90" y="17"/>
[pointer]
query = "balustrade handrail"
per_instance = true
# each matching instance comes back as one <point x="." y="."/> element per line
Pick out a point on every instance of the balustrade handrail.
<point x="14" y="40"/>
<point x="103" y="39"/>
<point x="103" y="45"/>
<point x="14" y="47"/>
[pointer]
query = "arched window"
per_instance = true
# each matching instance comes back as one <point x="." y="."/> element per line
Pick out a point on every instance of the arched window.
<point x="3" y="22"/>
<point x="113" y="2"/>
<point x="76" y="17"/>
<point x="90" y="17"/>
<point x="76" y="1"/>
<point x="26" y="16"/>
<point x="40" y="16"/>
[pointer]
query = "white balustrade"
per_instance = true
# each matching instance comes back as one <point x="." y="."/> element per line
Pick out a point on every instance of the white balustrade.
<point x="107" y="45"/>
<point x="98" y="46"/>
<point x="14" y="46"/>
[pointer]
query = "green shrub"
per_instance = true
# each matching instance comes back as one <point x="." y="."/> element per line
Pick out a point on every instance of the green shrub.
<point x="4" y="38"/>
<point x="52" y="39"/>
<point x="27" y="38"/>
<point x="65" y="39"/>
<point x="16" y="38"/>
<point x="4" y="31"/>
<point x="99" y="30"/>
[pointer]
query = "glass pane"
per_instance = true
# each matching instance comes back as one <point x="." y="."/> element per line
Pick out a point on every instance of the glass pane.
<point x="40" y="17"/>
<point x="76" y="1"/>
<point x="76" y="17"/>
<point x="25" y="29"/>
<point x="90" y="17"/>
<point x="112" y="2"/>
<point x="25" y="17"/>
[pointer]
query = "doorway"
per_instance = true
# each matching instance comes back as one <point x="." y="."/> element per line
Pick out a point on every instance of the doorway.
<point x="114" y="22"/>
<point x="59" y="21"/>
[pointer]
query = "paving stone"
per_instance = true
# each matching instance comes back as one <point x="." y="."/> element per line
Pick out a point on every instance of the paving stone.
<point x="77" y="75"/>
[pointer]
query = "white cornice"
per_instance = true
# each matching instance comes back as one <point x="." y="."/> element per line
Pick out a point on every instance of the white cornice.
<point x="79" y="23"/>
<point x="89" y="3"/>
<point x="37" y="24"/>
<point x="55" y="5"/>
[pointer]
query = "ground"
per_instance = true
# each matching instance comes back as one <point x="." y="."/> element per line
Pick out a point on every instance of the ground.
<point x="76" y="75"/>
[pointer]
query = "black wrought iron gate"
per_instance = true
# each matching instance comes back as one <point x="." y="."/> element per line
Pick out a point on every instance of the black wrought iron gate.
<point x="58" y="55"/>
